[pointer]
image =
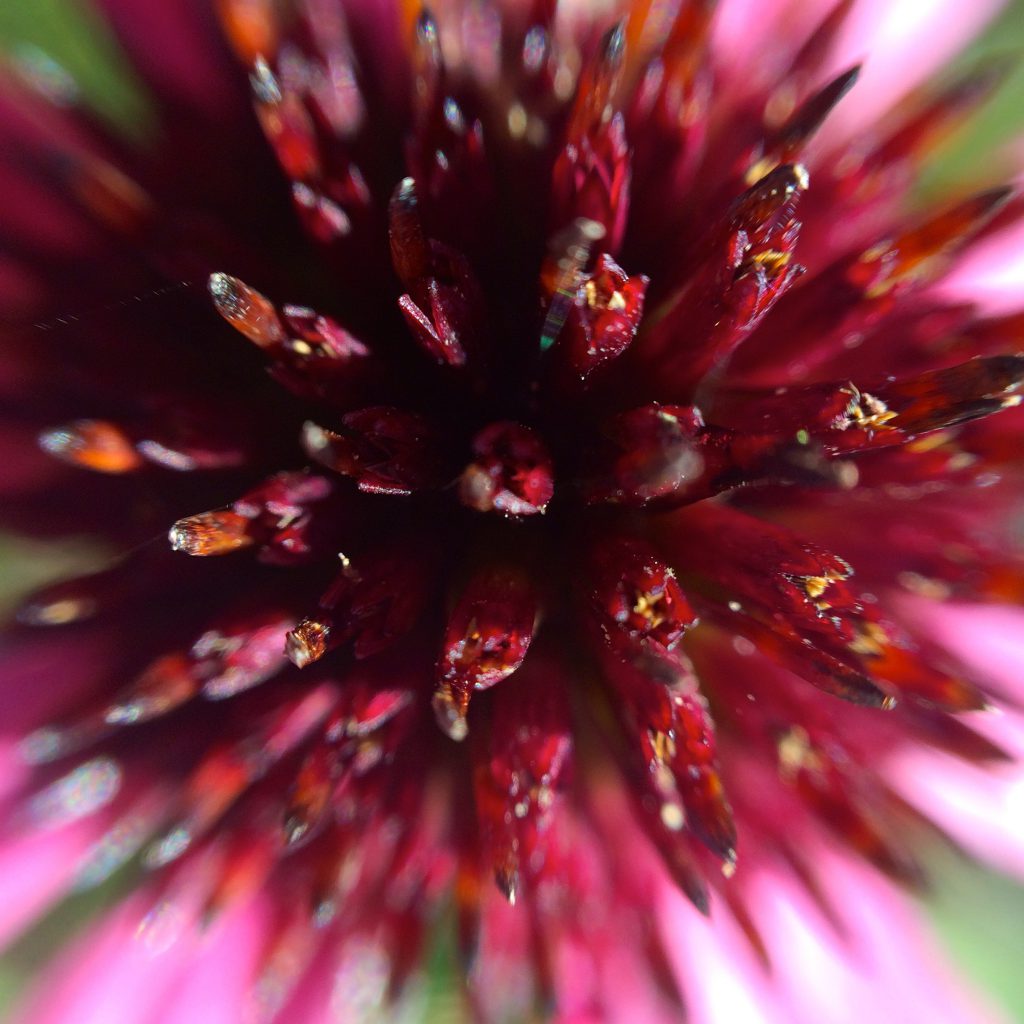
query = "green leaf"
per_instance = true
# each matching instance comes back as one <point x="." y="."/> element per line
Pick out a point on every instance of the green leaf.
<point x="26" y="564"/>
<point x="65" y="48"/>
<point x="977" y="915"/>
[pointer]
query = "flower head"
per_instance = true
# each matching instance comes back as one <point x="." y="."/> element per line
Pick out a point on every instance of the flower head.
<point x="557" y="515"/>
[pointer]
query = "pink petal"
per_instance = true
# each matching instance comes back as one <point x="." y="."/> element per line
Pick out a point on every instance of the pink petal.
<point x="37" y="869"/>
<point x="720" y="977"/>
<point x="216" y="986"/>
<point x="884" y="970"/>
<point x="106" y="977"/>
<point x="901" y="44"/>
<point x="982" y="808"/>
<point x="990" y="274"/>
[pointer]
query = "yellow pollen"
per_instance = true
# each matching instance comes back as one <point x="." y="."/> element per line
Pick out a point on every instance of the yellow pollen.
<point x="672" y="817"/>
<point x="796" y="753"/>
<point x="647" y="606"/>
<point x="759" y="169"/>
<point x="772" y="260"/>
<point x="59" y="613"/>
<point x="865" y="411"/>
<point x="664" y="746"/>
<point x="929" y="442"/>
<point x="872" y="640"/>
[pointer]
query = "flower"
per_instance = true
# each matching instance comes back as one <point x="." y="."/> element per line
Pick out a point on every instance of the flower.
<point x="590" y="555"/>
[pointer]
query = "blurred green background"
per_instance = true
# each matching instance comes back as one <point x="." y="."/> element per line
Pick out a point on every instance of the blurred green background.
<point x="978" y="916"/>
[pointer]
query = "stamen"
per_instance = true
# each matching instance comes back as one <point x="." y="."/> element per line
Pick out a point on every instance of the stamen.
<point x="512" y="472"/>
<point x="211" y="533"/>
<point x="92" y="444"/>
<point x="246" y="310"/>
<point x="488" y="634"/>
